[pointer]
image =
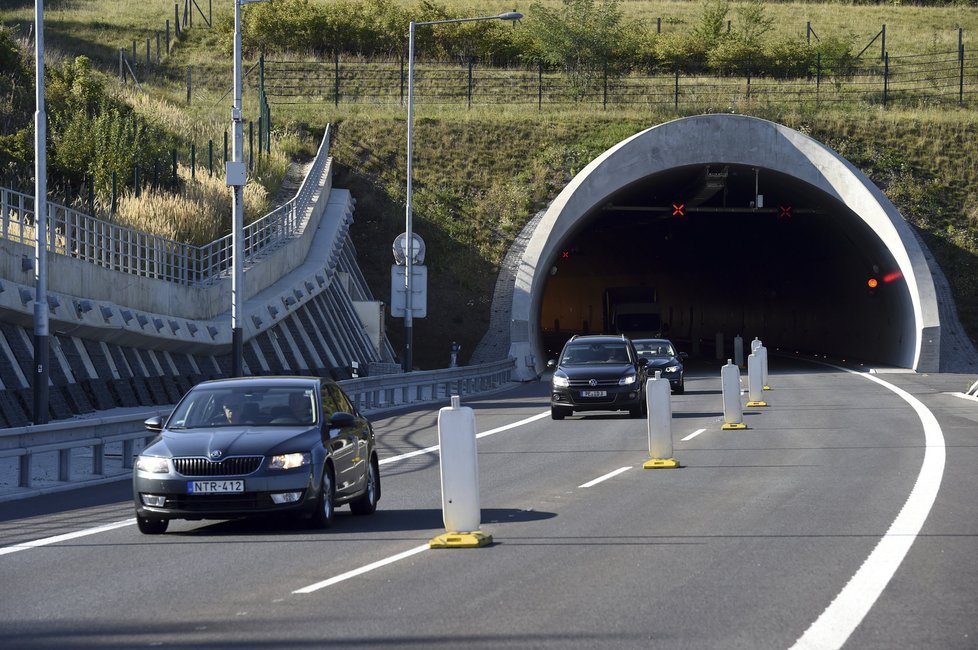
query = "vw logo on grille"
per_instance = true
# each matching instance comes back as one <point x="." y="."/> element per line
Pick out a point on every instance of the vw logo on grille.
<point x="216" y="454"/>
<point x="592" y="382"/>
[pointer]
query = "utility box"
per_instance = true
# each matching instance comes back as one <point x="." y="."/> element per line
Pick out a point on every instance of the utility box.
<point x="371" y="314"/>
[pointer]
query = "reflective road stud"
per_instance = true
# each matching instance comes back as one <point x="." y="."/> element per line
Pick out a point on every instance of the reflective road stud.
<point x="755" y="391"/>
<point x="733" y="414"/>
<point x="657" y="397"/>
<point x="459" y="479"/>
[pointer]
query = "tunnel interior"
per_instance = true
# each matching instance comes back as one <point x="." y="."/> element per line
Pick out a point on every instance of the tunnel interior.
<point x="730" y="249"/>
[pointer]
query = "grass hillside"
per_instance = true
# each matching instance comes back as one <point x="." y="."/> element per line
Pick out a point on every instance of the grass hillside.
<point x="481" y="173"/>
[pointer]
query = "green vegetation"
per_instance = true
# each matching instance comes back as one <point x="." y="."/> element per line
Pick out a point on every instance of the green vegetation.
<point x="481" y="173"/>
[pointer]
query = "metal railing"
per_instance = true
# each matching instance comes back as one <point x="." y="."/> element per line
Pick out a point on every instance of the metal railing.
<point x="124" y="434"/>
<point x="116" y="247"/>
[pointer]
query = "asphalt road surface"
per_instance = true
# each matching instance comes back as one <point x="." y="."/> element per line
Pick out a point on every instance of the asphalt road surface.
<point x="845" y="516"/>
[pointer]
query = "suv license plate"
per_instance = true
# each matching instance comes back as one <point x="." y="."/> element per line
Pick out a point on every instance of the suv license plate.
<point x="594" y="393"/>
<point x="214" y="487"/>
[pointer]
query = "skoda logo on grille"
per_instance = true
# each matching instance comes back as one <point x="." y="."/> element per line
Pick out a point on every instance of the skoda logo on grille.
<point x="216" y="454"/>
<point x="592" y="382"/>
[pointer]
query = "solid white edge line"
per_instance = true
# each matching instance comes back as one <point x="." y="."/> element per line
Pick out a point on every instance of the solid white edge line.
<point x="64" y="538"/>
<point x="692" y="435"/>
<point x="428" y="450"/>
<point x="605" y="477"/>
<point x="364" y="569"/>
<point x="840" y="619"/>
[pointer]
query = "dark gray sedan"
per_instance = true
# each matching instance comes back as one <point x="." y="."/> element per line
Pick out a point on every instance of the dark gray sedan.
<point x="256" y="446"/>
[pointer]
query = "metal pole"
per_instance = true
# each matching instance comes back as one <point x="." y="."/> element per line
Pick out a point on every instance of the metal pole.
<point x="41" y="348"/>
<point x="408" y="217"/>
<point x="237" y="208"/>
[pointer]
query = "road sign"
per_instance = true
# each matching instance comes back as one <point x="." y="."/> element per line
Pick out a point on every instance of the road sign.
<point x="419" y="291"/>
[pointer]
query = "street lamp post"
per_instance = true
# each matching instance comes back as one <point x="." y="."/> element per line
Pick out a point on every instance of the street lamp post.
<point x="236" y="174"/>
<point x="409" y="217"/>
<point x="41" y="348"/>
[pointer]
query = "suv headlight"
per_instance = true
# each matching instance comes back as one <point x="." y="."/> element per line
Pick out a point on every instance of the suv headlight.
<point x="561" y="382"/>
<point x="628" y="379"/>
<point x="289" y="461"/>
<point x="672" y="368"/>
<point x="152" y="464"/>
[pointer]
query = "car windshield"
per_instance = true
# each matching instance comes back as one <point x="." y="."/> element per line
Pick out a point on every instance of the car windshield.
<point x="650" y="349"/>
<point x="583" y="354"/>
<point x="207" y="406"/>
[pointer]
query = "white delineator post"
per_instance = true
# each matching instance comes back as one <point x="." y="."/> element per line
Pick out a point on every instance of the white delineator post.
<point x="756" y="343"/>
<point x="738" y="351"/>
<point x="755" y="387"/>
<point x="461" y="511"/>
<point x="657" y="396"/>
<point x="762" y="352"/>
<point x="733" y="413"/>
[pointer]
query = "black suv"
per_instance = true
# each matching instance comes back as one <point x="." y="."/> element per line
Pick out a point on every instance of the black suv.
<point x="598" y="373"/>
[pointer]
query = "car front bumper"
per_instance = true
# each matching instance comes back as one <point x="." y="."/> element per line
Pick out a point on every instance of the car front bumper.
<point x="256" y="499"/>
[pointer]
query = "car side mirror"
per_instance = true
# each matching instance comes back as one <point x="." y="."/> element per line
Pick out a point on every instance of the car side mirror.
<point x="154" y="424"/>
<point x="551" y="364"/>
<point x="642" y="361"/>
<point x="341" y="420"/>
<point x="683" y="355"/>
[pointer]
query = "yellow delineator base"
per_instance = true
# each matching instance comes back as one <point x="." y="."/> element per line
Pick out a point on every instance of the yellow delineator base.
<point x="734" y="425"/>
<point x="474" y="539"/>
<point x="661" y="463"/>
<point x="766" y="388"/>
<point x="754" y="404"/>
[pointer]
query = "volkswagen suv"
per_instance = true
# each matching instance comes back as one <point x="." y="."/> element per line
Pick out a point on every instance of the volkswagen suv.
<point x="598" y="373"/>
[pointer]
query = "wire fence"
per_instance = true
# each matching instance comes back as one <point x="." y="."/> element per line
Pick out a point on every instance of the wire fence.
<point x="941" y="78"/>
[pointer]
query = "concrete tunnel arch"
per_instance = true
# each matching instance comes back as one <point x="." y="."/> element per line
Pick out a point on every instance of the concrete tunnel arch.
<point x="724" y="139"/>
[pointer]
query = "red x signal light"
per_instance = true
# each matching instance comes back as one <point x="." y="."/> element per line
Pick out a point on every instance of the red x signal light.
<point x="679" y="209"/>
<point x="784" y="212"/>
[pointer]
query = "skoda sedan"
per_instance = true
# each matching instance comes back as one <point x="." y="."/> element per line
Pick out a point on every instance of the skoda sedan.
<point x="257" y="446"/>
<point x="598" y="373"/>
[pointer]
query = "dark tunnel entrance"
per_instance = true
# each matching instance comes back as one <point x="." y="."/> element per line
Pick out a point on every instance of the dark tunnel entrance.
<point x="729" y="225"/>
<point x="794" y="271"/>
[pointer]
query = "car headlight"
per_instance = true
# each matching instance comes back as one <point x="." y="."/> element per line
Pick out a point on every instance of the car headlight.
<point x="672" y="368"/>
<point x="289" y="461"/>
<point x="628" y="379"/>
<point x="561" y="382"/>
<point x="152" y="464"/>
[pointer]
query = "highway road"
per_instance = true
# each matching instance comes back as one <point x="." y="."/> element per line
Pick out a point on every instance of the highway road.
<point x="845" y="516"/>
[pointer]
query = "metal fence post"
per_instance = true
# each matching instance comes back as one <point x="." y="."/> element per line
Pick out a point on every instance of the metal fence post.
<point x="540" y="85"/>
<point x="336" y="76"/>
<point x="193" y="161"/>
<point x="189" y="82"/>
<point x="469" y="92"/>
<point x="676" y="92"/>
<point x="960" y="66"/>
<point x="210" y="157"/>
<point x="886" y="77"/>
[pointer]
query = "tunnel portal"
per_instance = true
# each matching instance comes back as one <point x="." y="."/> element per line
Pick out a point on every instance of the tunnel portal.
<point x="731" y="225"/>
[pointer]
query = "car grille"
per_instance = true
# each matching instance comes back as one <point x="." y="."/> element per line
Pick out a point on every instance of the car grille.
<point x="584" y="384"/>
<point x="234" y="466"/>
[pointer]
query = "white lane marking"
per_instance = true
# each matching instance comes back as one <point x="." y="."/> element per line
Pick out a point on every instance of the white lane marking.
<point x="433" y="448"/>
<point x="64" y="538"/>
<point x="605" y="477"/>
<point x="418" y="549"/>
<point x="364" y="569"/>
<point x="833" y="628"/>
<point x="693" y="435"/>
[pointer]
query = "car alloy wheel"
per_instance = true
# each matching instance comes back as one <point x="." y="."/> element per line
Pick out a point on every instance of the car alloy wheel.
<point x="325" y="510"/>
<point x="366" y="503"/>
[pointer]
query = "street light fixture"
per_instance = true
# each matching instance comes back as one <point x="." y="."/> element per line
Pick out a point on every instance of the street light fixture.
<point x="236" y="175"/>
<point x="409" y="248"/>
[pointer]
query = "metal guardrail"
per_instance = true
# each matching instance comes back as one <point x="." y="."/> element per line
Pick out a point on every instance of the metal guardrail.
<point x="370" y="394"/>
<point x="109" y="245"/>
